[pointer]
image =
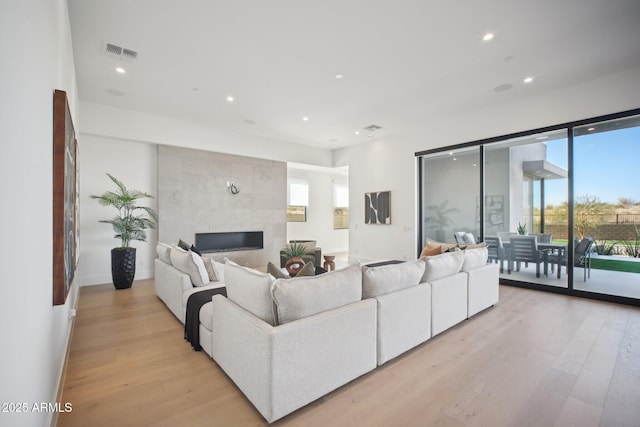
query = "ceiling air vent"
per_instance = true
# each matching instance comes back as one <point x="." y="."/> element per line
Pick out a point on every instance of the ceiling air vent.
<point x="372" y="128"/>
<point x="120" y="52"/>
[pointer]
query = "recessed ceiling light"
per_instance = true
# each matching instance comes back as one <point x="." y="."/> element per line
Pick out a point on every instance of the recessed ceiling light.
<point x="528" y="79"/>
<point x="230" y="99"/>
<point x="474" y="165"/>
<point x="591" y="129"/>
<point x="451" y="153"/>
<point x="338" y="76"/>
<point x="306" y="119"/>
<point x="455" y="158"/>
<point x="487" y="37"/>
<point x="120" y="70"/>
<point x="357" y="132"/>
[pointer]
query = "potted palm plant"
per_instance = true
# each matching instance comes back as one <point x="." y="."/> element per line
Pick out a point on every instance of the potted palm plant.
<point x="129" y="224"/>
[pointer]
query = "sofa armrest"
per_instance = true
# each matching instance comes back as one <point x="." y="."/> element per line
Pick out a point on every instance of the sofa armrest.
<point x="170" y="284"/>
<point x="282" y="368"/>
<point x="483" y="288"/>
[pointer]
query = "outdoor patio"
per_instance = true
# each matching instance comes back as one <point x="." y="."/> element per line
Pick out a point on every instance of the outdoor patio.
<point x="601" y="281"/>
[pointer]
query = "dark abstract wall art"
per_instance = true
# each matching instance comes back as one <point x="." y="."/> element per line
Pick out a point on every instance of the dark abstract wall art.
<point x="377" y="207"/>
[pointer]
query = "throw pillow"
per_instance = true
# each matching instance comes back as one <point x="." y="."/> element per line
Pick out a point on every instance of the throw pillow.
<point x="194" y="249"/>
<point x="164" y="252"/>
<point x="429" y="251"/>
<point x="442" y="265"/>
<point x="474" y="258"/>
<point x="183" y="245"/>
<point x="308" y="270"/>
<point x="191" y="264"/>
<point x="389" y="278"/>
<point x="443" y="246"/>
<point x="273" y="270"/>
<point x="250" y="289"/>
<point x="212" y="271"/>
<point x="305" y="296"/>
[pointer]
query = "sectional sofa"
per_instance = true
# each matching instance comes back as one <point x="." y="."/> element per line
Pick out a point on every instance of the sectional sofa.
<point x="288" y="342"/>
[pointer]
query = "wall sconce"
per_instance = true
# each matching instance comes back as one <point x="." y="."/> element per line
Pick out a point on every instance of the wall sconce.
<point x="231" y="186"/>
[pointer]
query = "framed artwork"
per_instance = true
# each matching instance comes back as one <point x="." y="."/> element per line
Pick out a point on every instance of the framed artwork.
<point x="65" y="198"/>
<point x="377" y="207"/>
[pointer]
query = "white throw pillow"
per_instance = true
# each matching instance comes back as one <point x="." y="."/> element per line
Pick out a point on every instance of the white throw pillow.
<point x="191" y="264"/>
<point x="474" y="258"/>
<point x="390" y="278"/>
<point x="251" y="290"/>
<point x="439" y="266"/>
<point x="164" y="252"/>
<point x="305" y="296"/>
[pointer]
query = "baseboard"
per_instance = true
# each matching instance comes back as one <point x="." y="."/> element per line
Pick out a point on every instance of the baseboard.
<point x="101" y="279"/>
<point x="63" y="371"/>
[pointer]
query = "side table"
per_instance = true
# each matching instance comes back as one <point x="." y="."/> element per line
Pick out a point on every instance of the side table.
<point x="329" y="263"/>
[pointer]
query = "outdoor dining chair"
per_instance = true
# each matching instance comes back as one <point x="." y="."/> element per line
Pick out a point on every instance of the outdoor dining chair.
<point x="581" y="257"/>
<point x="525" y="249"/>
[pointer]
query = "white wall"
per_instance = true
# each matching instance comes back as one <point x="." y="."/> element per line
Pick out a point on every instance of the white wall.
<point x="35" y="47"/>
<point x="129" y="125"/>
<point x="133" y="163"/>
<point x="381" y="166"/>
<point x="389" y="163"/>
<point x="319" y="224"/>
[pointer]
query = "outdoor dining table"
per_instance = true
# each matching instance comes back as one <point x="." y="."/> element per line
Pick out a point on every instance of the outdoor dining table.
<point x="549" y="248"/>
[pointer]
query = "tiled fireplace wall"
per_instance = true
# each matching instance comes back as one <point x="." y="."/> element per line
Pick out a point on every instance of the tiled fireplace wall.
<point x="193" y="198"/>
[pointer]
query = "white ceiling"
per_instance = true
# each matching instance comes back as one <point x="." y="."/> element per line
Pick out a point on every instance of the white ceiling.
<point x="405" y="63"/>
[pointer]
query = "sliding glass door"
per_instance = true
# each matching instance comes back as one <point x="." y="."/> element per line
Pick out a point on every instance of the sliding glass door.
<point x="607" y="207"/>
<point x="526" y="187"/>
<point x="558" y="207"/>
<point x="451" y="196"/>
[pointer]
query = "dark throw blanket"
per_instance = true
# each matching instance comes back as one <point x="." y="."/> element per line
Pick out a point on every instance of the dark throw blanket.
<point x="192" y="316"/>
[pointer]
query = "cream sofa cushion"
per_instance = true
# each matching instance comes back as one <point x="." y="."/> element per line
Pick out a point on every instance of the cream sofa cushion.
<point x="250" y="289"/>
<point x="164" y="252"/>
<point x="474" y="258"/>
<point x="390" y="278"/>
<point x="190" y="263"/>
<point x="301" y="297"/>
<point x="442" y="265"/>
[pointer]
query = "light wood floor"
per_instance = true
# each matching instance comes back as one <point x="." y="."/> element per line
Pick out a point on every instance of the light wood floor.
<point x="536" y="359"/>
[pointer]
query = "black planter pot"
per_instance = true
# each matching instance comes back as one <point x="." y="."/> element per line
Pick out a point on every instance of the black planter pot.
<point x="123" y="267"/>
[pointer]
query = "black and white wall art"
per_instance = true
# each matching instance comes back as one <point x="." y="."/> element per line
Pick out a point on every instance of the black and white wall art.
<point x="377" y="207"/>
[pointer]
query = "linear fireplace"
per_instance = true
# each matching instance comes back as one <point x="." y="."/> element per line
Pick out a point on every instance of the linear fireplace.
<point x="229" y="241"/>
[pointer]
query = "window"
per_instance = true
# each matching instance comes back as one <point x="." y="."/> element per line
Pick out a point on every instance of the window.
<point x="298" y="200"/>
<point x="341" y="206"/>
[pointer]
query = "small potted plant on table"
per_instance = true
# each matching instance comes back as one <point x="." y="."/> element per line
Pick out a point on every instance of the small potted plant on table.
<point x="129" y="224"/>
<point x="294" y="252"/>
